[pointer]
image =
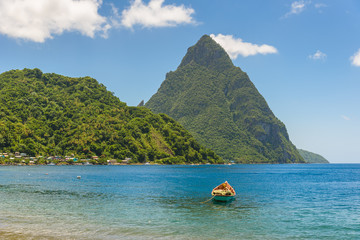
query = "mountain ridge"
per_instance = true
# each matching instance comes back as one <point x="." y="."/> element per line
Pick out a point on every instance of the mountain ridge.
<point x="311" y="157"/>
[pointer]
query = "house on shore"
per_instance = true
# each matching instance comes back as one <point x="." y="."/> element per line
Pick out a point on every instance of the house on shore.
<point x="112" y="162"/>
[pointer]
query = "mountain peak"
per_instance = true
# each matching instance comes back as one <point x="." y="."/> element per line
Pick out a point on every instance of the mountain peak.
<point x="208" y="53"/>
<point x="221" y="107"/>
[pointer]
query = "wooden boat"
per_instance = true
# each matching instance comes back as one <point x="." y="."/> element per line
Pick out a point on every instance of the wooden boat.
<point x="223" y="193"/>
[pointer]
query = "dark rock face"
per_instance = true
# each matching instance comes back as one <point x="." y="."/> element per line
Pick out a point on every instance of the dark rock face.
<point x="222" y="108"/>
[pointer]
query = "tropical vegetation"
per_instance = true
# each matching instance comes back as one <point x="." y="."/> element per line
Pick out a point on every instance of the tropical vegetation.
<point x="49" y="114"/>
<point x="311" y="157"/>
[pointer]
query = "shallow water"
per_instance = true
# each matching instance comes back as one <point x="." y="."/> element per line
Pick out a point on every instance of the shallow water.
<point x="165" y="202"/>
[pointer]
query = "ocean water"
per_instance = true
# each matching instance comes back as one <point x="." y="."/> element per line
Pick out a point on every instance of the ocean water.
<point x="168" y="202"/>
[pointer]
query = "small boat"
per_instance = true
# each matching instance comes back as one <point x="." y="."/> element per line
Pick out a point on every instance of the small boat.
<point x="223" y="193"/>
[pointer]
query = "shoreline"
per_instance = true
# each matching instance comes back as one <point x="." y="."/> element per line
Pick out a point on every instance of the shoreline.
<point x="130" y="164"/>
<point x="157" y="164"/>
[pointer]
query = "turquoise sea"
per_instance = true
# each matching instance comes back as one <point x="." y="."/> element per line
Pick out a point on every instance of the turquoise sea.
<point x="165" y="202"/>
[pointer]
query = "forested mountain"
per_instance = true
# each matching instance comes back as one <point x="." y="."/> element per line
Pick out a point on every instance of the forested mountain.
<point x="50" y="114"/>
<point x="311" y="157"/>
<point x="222" y="108"/>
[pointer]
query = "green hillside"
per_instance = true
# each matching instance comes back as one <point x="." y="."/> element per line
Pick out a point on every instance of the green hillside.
<point x="222" y="108"/>
<point x="50" y="114"/>
<point x="310" y="157"/>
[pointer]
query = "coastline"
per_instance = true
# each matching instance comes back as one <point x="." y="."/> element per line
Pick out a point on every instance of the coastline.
<point x="129" y="164"/>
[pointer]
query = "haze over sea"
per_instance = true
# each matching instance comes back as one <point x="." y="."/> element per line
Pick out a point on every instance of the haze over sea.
<point x="165" y="202"/>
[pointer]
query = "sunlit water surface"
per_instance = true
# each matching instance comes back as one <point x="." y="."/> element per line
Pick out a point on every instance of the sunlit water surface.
<point x="168" y="202"/>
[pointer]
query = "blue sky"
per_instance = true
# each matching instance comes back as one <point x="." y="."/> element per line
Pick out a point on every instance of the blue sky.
<point x="303" y="56"/>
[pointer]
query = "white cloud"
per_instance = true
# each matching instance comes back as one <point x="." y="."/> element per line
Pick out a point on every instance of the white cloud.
<point x="116" y="16"/>
<point x="235" y="47"/>
<point x="318" y="55"/>
<point x="345" y="118"/>
<point x="355" y="59"/>
<point x="297" y="7"/>
<point x="155" y="14"/>
<point x="38" y="20"/>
